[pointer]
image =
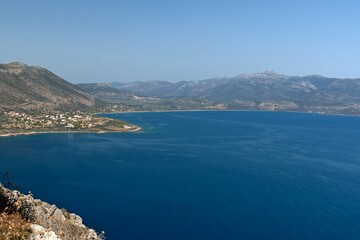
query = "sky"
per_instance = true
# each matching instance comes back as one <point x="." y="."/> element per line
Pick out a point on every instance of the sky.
<point x="175" y="40"/>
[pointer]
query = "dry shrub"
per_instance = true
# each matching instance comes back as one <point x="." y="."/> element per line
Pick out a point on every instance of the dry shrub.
<point x="66" y="230"/>
<point x="13" y="227"/>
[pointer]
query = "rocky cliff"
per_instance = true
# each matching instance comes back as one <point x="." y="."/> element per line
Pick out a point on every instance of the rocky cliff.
<point x="23" y="217"/>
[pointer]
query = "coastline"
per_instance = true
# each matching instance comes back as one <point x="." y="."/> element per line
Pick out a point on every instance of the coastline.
<point x="231" y="110"/>
<point x="137" y="129"/>
<point x="155" y="111"/>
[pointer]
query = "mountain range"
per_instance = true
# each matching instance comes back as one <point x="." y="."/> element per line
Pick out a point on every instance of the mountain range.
<point x="33" y="88"/>
<point x="267" y="90"/>
<point x="254" y="87"/>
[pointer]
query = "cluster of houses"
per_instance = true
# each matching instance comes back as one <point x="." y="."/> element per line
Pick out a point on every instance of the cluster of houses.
<point x="67" y="120"/>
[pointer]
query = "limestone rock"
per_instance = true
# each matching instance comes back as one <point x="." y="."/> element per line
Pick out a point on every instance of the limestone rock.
<point x="40" y="233"/>
<point x="76" y="219"/>
<point x="58" y="215"/>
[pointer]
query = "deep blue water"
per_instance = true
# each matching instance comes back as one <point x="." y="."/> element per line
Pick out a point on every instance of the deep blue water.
<point x="202" y="175"/>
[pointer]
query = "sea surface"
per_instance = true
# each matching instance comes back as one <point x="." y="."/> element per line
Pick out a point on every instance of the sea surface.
<point x="202" y="175"/>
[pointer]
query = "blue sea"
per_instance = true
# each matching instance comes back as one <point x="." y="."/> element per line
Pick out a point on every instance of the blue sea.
<point x="202" y="175"/>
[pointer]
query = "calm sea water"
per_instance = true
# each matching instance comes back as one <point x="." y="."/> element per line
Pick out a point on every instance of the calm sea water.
<point x="202" y="175"/>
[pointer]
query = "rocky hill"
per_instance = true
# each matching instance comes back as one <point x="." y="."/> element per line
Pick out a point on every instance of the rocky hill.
<point x="265" y="91"/>
<point x="32" y="88"/>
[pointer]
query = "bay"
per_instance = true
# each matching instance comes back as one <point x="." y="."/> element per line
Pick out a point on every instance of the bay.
<point x="201" y="175"/>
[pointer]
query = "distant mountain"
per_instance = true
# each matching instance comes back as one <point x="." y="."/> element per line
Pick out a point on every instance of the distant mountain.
<point x="203" y="88"/>
<point x="116" y="84"/>
<point x="309" y="90"/>
<point x="123" y="100"/>
<point x="170" y="89"/>
<point x="259" y="86"/>
<point x="32" y="88"/>
<point x="266" y="90"/>
<point x="105" y="92"/>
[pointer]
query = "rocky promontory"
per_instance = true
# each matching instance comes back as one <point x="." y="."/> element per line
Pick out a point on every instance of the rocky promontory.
<point x="23" y="217"/>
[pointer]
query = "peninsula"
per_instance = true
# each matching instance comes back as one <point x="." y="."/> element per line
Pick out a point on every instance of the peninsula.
<point x="20" y="123"/>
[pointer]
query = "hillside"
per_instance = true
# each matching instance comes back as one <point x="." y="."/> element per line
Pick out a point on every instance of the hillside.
<point x="32" y="88"/>
<point x="264" y="91"/>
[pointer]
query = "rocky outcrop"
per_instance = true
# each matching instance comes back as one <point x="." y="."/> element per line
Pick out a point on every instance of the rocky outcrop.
<point x="47" y="221"/>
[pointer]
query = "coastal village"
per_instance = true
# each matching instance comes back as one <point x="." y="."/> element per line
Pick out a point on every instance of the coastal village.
<point x="21" y="122"/>
<point x="67" y="120"/>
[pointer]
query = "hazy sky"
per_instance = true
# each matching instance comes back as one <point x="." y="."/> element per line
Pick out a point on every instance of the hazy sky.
<point x="105" y="41"/>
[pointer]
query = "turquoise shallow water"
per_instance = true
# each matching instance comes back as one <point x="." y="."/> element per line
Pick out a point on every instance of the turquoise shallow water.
<point x="202" y="175"/>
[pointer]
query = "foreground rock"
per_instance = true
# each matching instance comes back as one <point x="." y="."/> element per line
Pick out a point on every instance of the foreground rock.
<point x="47" y="222"/>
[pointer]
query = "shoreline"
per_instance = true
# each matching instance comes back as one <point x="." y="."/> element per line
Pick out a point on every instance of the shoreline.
<point x="231" y="110"/>
<point x="156" y="111"/>
<point x="64" y="132"/>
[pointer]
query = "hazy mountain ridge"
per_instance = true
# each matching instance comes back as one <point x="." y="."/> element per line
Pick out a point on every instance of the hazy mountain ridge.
<point x="123" y="100"/>
<point x="242" y="85"/>
<point x="34" y="88"/>
<point x="105" y="92"/>
<point x="265" y="91"/>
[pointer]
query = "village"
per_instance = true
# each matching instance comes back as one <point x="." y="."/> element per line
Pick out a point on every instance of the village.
<point x="78" y="120"/>
<point x="13" y="121"/>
